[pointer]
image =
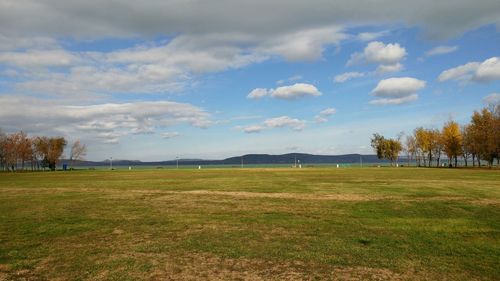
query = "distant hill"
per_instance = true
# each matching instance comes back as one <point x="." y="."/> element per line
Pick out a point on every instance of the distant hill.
<point x="289" y="158"/>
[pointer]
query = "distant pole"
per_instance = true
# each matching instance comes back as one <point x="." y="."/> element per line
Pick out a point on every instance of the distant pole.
<point x="241" y="161"/>
<point x="111" y="163"/>
<point x="361" y="161"/>
<point x="295" y="161"/>
<point x="177" y="162"/>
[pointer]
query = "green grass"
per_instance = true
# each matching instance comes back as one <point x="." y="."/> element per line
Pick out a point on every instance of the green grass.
<point x="279" y="223"/>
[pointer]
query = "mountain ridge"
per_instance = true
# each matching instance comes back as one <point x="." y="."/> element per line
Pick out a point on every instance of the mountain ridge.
<point x="288" y="158"/>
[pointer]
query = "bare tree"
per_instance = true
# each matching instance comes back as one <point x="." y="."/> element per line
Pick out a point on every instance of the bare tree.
<point x="3" y="141"/>
<point x="41" y="151"/>
<point x="24" y="148"/>
<point x="78" y="151"/>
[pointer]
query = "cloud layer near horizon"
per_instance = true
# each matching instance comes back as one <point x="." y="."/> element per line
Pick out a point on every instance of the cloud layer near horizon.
<point x="92" y="19"/>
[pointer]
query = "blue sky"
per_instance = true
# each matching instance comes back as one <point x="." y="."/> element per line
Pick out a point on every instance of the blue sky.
<point x="211" y="80"/>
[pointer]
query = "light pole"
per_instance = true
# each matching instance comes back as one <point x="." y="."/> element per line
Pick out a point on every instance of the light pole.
<point x="177" y="162"/>
<point x="111" y="163"/>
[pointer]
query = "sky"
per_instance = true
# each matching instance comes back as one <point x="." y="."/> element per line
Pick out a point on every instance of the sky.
<point x="159" y="79"/>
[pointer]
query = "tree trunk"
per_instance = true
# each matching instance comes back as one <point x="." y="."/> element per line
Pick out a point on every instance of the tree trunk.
<point x="456" y="161"/>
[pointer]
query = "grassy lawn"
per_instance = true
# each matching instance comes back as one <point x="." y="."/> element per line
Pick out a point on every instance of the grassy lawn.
<point x="251" y="224"/>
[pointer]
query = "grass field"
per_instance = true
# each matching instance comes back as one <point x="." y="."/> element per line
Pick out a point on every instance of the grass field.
<point x="251" y="224"/>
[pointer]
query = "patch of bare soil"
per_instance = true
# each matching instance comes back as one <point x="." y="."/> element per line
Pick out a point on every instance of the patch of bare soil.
<point x="298" y="196"/>
<point x="206" y="267"/>
<point x="485" y="201"/>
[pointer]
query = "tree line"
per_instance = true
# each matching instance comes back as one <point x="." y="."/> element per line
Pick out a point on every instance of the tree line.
<point x="18" y="151"/>
<point x="477" y="141"/>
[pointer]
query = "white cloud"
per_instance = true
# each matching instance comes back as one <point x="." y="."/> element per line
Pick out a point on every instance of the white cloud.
<point x="385" y="68"/>
<point x="395" y="101"/>
<point x="397" y="90"/>
<point x="302" y="45"/>
<point x="341" y="78"/>
<point x="485" y="71"/>
<point x="277" y="122"/>
<point x="161" y="67"/>
<point x="107" y="122"/>
<point x="324" y="114"/>
<point x="441" y="50"/>
<point x="488" y="70"/>
<point x="285" y="121"/>
<point x="492" y="99"/>
<point x="295" y="91"/>
<point x="169" y="135"/>
<point x="253" y="129"/>
<point x="43" y="58"/>
<point x="327" y="112"/>
<point x="378" y="52"/>
<point x="370" y="36"/>
<point x="258" y="93"/>
<point x="319" y="119"/>
<point x="387" y="56"/>
<point x="462" y="72"/>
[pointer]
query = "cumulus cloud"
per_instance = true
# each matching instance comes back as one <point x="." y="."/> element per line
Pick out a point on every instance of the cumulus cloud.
<point x="370" y="36"/>
<point x="159" y="67"/>
<point x="258" y="93"/>
<point x="107" y="122"/>
<point x="385" y="68"/>
<point x="488" y="70"/>
<point x="292" y="92"/>
<point x="462" y="72"/>
<point x="324" y="114"/>
<point x="253" y="129"/>
<point x="169" y="135"/>
<point x="285" y="121"/>
<point x="295" y="91"/>
<point x="277" y="122"/>
<point x="341" y="78"/>
<point x="388" y="56"/>
<point x="303" y="45"/>
<point x="441" y="50"/>
<point x="485" y="71"/>
<point x="397" y="90"/>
